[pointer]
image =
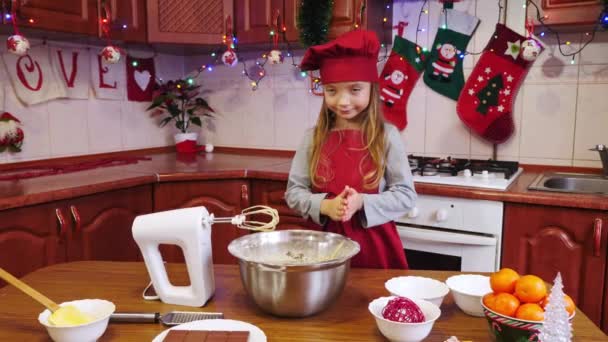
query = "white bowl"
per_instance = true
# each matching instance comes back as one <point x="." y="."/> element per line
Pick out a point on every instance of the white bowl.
<point x="418" y="288"/>
<point x="405" y="332"/>
<point x="468" y="289"/>
<point x="99" y="309"/>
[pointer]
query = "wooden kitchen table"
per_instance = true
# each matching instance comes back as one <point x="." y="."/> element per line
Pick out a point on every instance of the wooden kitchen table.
<point x="347" y="319"/>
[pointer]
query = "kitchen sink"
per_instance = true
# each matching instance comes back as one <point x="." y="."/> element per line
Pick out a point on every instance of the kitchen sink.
<point x="571" y="182"/>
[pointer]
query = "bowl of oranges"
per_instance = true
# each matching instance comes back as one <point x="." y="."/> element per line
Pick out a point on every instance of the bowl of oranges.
<point x="515" y="309"/>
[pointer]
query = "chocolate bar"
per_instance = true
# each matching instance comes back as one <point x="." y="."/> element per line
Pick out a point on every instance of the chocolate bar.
<point x="206" y="336"/>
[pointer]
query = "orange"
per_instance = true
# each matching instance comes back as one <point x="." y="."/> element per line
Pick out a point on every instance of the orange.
<point x="489" y="300"/>
<point x="530" y="289"/>
<point x="506" y="304"/>
<point x="570" y="306"/>
<point x="504" y="280"/>
<point x="530" y="312"/>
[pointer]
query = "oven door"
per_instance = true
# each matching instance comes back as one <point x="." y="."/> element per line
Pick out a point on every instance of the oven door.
<point x="433" y="249"/>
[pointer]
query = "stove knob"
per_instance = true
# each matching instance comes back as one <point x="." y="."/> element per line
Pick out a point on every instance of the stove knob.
<point x="467" y="173"/>
<point x="485" y="174"/>
<point x="413" y="213"/>
<point x="441" y="215"/>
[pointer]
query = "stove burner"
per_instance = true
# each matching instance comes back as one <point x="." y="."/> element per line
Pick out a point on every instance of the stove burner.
<point x="428" y="166"/>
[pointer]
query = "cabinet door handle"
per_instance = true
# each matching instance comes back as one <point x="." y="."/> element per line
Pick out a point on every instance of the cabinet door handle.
<point x="244" y="195"/>
<point x="61" y="222"/>
<point x="76" y="217"/>
<point x="597" y="237"/>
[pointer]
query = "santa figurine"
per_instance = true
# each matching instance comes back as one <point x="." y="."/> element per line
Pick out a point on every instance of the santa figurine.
<point x="11" y="135"/>
<point x="393" y="88"/>
<point x="446" y="61"/>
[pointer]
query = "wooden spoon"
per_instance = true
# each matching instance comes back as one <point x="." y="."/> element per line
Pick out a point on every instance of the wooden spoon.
<point x="42" y="299"/>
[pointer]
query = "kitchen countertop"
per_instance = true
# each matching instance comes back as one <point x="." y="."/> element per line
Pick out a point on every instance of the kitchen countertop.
<point x="347" y="319"/>
<point x="167" y="167"/>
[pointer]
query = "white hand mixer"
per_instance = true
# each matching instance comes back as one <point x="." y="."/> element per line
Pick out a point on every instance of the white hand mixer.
<point x="190" y="229"/>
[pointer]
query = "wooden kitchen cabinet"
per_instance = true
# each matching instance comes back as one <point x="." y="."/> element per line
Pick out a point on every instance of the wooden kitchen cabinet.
<point x="189" y="22"/>
<point x="223" y="198"/>
<point x="253" y="19"/>
<point x="128" y="19"/>
<point x="29" y="239"/>
<point x="75" y="16"/>
<point x="346" y="13"/>
<point x="544" y="240"/>
<point x="99" y="225"/>
<point x="272" y="194"/>
<point x="567" y="12"/>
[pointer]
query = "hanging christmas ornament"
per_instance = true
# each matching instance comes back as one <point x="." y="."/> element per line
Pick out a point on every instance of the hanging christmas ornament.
<point x="17" y="44"/>
<point x="11" y="135"/>
<point x="110" y="53"/>
<point x="275" y="56"/>
<point x="530" y="49"/>
<point x="229" y="58"/>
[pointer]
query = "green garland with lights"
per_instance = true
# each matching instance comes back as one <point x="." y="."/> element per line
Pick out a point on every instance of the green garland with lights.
<point x="313" y="21"/>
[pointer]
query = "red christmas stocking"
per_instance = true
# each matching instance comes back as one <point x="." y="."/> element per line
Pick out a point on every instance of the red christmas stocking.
<point x="400" y="73"/>
<point x="486" y="101"/>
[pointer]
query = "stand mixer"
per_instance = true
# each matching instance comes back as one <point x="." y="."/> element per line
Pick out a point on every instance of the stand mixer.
<point x="190" y="229"/>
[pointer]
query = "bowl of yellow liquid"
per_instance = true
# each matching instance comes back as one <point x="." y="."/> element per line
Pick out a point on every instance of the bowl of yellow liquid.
<point x="82" y="320"/>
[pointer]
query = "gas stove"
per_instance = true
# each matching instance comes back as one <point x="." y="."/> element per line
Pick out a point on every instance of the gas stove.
<point x="486" y="174"/>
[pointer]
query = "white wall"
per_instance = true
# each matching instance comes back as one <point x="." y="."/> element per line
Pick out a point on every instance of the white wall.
<point x="69" y="127"/>
<point x="561" y="109"/>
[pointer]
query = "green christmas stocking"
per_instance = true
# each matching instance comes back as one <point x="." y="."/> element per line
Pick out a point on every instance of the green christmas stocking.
<point x="444" y="68"/>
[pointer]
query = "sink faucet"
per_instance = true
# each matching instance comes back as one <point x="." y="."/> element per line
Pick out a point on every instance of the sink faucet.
<point x="603" y="151"/>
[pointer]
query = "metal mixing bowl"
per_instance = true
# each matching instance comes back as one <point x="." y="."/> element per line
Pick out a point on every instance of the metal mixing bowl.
<point x="293" y="273"/>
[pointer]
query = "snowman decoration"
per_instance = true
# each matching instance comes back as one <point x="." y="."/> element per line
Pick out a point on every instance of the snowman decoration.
<point x="530" y="50"/>
<point x="446" y="62"/>
<point x="393" y="88"/>
<point x="275" y="57"/>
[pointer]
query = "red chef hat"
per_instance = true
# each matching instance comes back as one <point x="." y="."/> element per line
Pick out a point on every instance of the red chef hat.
<point x="350" y="57"/>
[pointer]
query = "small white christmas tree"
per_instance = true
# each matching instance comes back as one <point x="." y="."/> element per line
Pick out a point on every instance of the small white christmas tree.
<point x="556" y="326"/>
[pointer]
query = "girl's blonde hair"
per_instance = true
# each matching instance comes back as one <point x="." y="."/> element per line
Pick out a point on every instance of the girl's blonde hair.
<point x="372" y="126"/>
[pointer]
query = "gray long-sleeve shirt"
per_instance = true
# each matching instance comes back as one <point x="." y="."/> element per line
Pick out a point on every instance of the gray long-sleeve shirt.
<point x="396" y="190"/>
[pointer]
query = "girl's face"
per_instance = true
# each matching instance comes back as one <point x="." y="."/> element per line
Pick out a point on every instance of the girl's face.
<point x="347" y="99"/>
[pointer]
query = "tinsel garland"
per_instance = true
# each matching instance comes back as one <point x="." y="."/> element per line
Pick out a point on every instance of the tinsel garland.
<point x="313" y="21"/>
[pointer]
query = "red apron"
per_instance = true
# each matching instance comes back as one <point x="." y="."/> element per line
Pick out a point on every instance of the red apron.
<point x="342" y="163"/>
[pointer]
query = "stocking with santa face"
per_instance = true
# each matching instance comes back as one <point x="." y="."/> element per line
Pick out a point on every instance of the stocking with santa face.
<point x="486" y="102"/>
<point x="444" y="69"/>
<point x="400" y="73"/>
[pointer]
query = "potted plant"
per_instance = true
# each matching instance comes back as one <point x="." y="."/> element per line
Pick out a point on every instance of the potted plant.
<point x="180" y="101"/>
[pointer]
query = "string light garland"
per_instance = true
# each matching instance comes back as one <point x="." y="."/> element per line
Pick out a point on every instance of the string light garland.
<point x="602" y="22"/>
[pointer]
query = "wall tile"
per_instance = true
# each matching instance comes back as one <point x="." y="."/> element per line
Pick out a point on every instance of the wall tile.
<point x="551" y="56"/>
<point x="104" y="125"/>
<point x="259" y="120"/>
<point x="587" y="163"/>
<point x="139" y="130"/>
<point x="552" y="75"/>
<point x="444" y="132"/>
<point x="593" y="73"/>
<point x="549" y="109"/>
<point x="545" y="161"/>
<point x="591" y="120"/>
<point x="413" y="135"/>
<point x="290" y="116"/>
<point x="68" y="127"/>
<point x="596" y="51"/>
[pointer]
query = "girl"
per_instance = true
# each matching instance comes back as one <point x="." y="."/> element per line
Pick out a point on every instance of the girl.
<point x="350" y="175"/>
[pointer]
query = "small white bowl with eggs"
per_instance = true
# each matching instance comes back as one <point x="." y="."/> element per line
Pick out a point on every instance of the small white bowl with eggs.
<point x="98" y="309"/>
<point x="413" y="287"/>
